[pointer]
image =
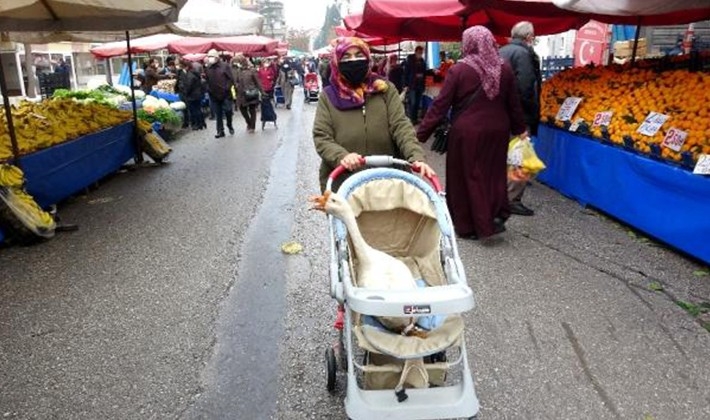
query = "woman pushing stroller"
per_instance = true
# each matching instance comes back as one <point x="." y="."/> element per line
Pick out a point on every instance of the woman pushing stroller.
<point x="360" y="114"/>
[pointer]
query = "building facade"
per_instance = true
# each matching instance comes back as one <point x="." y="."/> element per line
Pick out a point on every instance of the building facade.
<point x="273" y="12"/>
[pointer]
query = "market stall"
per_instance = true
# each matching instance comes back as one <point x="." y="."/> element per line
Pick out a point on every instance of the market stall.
<point x="627" y="140"/>
<point x="63" y="144"/>
<point x="667" y="202"/>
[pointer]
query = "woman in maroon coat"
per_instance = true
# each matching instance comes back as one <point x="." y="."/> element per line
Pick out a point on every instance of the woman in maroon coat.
<point x="483" y="120"/>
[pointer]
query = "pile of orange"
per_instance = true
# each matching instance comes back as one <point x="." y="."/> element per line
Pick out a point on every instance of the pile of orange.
<point x="631" y="94"/>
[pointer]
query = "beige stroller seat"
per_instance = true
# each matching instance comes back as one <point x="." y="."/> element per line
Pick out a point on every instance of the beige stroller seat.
<point x="400" y="214"/>
<point x="398" y="218"/>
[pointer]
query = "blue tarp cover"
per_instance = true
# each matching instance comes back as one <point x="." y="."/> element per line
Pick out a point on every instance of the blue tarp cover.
<point x="58" y="172"/>
<point x="170" y="97"/>
<point x="666" y="202"/>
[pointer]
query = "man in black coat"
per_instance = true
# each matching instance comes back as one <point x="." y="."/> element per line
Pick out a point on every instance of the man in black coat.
<point x="414" y="81"/>
<point x="521" y="56"/>
<point x="220" y="81"/>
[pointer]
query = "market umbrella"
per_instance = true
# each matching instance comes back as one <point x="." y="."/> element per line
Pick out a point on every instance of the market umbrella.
<point x="194" y="57"/>
<point x="355" y="20"/>
<point x="247" y="44"/>
<point x="66" y="16"/>
<point x="430" y="20"/>
<point x="323" y="52"/>
<point x="444" y="20"/>
<point x="211" y="18"/>
<point x="86" y="15"/>
<point x="295" y="53"/>
<point x="138" y="45"/>
<point x="638" y="12"/>
<point x="196" y="17"/>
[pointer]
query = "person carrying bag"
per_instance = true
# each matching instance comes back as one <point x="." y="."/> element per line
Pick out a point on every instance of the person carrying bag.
<point x="441" y="135"/>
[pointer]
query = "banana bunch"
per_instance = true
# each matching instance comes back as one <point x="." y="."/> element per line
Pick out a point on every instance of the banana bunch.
<point x="155" y="147"/>
<point x="11" y="176"/>
<point x="27" y="209"/>
<point x="144" y="127"/>
<point x="21" y="218"/>
<point x="53" y="121"/>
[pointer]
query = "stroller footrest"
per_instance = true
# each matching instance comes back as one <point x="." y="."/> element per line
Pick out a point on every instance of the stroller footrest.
<point x="430" y="403"/>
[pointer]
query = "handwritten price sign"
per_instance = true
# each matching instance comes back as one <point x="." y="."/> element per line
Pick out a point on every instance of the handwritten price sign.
<point x="703" y="165"/>
<point x="569" y="106"/>
<point x="652" y="124"/>
<point x="603" y="118"/>
<point x="674" y="139"/>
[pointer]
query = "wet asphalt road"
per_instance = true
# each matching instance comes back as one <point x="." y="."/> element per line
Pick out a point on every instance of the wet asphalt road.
<point x="174" y="301"/>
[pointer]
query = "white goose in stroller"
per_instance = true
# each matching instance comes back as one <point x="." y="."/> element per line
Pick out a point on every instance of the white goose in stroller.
<point x="401" y="288"/>
<point x="376" y="270"/>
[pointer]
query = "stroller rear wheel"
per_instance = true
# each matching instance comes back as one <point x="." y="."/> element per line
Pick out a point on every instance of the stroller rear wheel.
<point x="331" y="367"/>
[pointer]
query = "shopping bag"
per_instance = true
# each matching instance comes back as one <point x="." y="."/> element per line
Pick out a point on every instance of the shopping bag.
<point x="523" y="162"/>
<point x="441" y="138"/>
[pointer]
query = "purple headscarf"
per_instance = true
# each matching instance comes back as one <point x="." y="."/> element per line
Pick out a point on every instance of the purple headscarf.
<point x="481" y="53"/>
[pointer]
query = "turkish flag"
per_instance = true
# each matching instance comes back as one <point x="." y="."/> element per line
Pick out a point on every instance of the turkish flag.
<point x="591" y="44"/>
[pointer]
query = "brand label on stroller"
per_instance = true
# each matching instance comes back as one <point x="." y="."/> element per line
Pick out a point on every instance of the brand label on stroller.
<point x="417" y="309"/>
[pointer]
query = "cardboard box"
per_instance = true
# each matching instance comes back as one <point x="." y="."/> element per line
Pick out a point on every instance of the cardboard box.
<point x="629" y="44"/>
<point x="627" y="51"/>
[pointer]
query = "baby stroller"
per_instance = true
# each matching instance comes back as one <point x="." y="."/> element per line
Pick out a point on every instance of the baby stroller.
<point x="267" y="111"/>
<point x="311" y="88"/>
<point x="391" y="375"/>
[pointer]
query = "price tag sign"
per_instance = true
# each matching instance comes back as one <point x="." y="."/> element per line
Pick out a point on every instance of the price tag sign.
<point x="575" y="125"/>
<point x="569" y="106"/>
<point x="674" y="139"/>
<point x="603" y="118"/>
<point x="703" y="165"/>
<point x="652" y="123"/>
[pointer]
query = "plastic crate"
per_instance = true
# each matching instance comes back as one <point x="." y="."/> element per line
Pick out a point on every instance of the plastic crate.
<point x="49" y="82"/>
<point x="553" y="65"/>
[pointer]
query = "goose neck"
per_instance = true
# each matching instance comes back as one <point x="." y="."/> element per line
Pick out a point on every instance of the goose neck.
<point x="361" y="247"/>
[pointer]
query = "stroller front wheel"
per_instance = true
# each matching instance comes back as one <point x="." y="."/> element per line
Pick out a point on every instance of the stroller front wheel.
<point x="330" y="369"/>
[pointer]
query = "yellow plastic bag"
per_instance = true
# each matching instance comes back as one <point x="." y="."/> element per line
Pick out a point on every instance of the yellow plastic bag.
<point x="521" y="155"/>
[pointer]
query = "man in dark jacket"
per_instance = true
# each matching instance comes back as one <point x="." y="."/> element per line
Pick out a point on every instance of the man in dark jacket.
<point x="191" y="93"/>
<point x="395" y="72"/>
<point x="152" y="76"/>
<point x="414" y="78"/>
<point x="526" y="65"/>
<point x="324" y="70"/>
<point x="220" y="81"/>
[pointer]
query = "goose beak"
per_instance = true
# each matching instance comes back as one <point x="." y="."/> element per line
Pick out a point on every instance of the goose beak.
<point x="319" y="201"/>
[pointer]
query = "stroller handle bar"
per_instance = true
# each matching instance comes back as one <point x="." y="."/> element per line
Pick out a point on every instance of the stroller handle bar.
<point x="385" y="161"/>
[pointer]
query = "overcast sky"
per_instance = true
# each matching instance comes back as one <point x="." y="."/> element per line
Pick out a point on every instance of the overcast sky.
<point x="310" y="14"/>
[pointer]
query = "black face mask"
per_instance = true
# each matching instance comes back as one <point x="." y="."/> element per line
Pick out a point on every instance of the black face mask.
<point x="354" y="71"/>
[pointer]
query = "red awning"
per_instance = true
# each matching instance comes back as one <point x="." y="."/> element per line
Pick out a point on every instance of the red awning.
<point x="404" y="19"/>
<point x="372" y="40"/>
<point x="444" y="20"/>
<point x="138" y="45"/>
<point x="248" y="44"/>
<point x="638" y="12"/>
<point x="634" y="12"/>
<point x="194" y="57"/>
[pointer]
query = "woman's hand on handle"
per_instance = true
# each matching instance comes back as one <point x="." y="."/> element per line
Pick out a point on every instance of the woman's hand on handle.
<point x="423" y="169"/>
<point x="352" y="161"/>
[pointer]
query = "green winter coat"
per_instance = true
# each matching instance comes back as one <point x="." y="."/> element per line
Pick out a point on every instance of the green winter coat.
<point x="380" y="127"/>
